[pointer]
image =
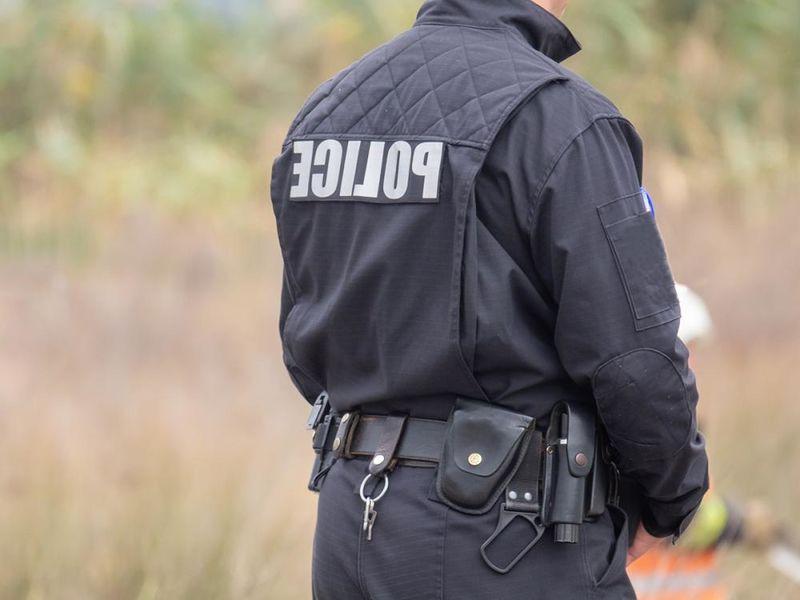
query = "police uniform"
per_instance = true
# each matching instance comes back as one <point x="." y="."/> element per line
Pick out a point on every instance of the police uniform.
<point x="461" y="217"/>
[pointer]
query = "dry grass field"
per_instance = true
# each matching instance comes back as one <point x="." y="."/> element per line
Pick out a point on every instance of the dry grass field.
<point x="151" y="445"/>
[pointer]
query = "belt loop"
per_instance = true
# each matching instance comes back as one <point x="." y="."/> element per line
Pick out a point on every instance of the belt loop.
<point x="384" y="459"/>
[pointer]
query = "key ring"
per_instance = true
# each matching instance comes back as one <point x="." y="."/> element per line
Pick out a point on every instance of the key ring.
<point x="364" y="497"/>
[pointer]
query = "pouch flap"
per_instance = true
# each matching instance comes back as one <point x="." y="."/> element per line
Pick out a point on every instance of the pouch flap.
<point x="483" y="449"/>
<point x="576" y="423"/>
<point x="485" y="437"/>
<point x="581" y="440"/>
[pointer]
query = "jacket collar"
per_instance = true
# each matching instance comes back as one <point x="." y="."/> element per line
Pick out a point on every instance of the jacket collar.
<point x="540" y="28"/>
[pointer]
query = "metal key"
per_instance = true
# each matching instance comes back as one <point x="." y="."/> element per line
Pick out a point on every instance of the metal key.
<point x="370" y="514"/>
<point x="369" y="506"/>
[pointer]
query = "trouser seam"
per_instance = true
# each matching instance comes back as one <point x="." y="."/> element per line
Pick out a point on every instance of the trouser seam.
<point x="590" y="582"/>
<point x="442" y="552"/>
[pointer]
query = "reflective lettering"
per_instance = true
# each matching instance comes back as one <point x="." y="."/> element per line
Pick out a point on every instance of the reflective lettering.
<point x="370" y="186"/>
<point x="350" y="164"/>
<point x="398" y="164"/>
<point x="302" y="168"/>
<point x="376" y="171"/>
<point x="329" y="155"/>
<point x="427" y="163"/>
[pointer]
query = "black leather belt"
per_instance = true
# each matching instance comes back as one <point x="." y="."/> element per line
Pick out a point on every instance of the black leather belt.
<point x="354" y="434"/>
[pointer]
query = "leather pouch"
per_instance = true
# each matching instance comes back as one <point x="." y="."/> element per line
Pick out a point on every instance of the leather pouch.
<point x="484" y="446"/>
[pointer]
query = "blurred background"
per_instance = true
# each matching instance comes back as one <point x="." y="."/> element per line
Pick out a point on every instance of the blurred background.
<point x="151" y="445"/>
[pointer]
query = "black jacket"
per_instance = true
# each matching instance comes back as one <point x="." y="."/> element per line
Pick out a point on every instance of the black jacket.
<point x="460" y="215"/>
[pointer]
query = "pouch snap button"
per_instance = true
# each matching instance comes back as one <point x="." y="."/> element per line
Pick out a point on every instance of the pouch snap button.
<point x="474" y="459"/>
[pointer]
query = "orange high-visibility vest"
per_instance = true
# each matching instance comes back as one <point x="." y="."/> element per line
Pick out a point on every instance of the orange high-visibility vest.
<point x="667" y="573"/>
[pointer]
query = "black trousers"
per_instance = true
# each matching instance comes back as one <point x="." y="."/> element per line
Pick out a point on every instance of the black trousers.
<point x="423" y="550"/>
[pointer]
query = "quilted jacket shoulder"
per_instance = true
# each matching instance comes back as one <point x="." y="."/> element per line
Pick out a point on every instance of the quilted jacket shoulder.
<point x="457" y="83"/>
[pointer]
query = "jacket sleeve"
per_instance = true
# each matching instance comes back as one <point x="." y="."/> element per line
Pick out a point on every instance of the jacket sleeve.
<point x="596" y="246"/>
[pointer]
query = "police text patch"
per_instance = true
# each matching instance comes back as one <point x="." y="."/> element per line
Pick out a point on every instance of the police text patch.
<point x="380" y="171"/>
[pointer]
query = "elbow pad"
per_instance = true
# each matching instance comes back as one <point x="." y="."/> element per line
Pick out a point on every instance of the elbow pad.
<point x="643" y="402"/>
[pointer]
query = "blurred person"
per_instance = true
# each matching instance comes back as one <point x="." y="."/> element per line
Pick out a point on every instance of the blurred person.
<point x="475" y="298"/>
<point x="690" y="570"/>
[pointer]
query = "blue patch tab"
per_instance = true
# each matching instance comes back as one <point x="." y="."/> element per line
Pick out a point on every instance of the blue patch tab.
<point x="647" y="201"/>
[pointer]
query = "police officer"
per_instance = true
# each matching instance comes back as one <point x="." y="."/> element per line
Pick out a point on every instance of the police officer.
<point x="467" y="246"/>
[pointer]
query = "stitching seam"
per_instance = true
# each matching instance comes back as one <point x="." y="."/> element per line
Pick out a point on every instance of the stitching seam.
<point x="548" y="173"/>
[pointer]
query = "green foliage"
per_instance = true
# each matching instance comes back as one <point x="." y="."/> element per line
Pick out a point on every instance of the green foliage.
<point x="713" y="83"/>
<point x="179" y="105"/>
<point x="162" y="103"/>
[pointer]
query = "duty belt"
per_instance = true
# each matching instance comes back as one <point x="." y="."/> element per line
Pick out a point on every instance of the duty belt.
<point x="553" y="483"/>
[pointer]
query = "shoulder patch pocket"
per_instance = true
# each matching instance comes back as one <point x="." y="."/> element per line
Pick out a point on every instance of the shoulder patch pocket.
<point x="641" y="260"/>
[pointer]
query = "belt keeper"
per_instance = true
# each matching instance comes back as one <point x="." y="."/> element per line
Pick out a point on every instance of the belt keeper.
<point x="344" y="435"/>
<point x="383" y="461"/>
<point x="523" y="493"/>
